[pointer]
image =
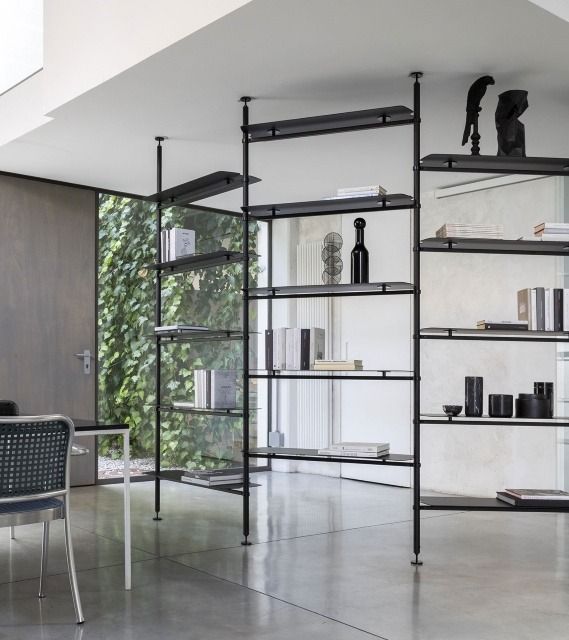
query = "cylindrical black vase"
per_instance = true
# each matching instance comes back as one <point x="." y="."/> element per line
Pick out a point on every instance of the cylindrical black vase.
<point x="473" y="396"/>
<point x="360" y="255"/>
<point x="500" y="405"/>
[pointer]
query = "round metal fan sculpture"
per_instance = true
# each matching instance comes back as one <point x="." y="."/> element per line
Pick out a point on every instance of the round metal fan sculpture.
<point x="332" y="258"/>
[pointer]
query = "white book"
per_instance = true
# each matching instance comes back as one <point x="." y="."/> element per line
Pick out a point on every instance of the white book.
<point x="317" y="345"/>
<point x="372" y="188"/>
<point x="197" y="389"/>
<point x="184" y="405"/>
<point x="179" y="327"/>
<point x="565" y="309"/>
<point x="370" y="447"/>
<point x="279" y="348"/>
<point x="181" y="242"/>
<point x="351" y="454"/>
<point x="553" y="237"/>
<point x="292" y="361"/>
<point x="223" y="389"/>
<point x="164" y="254"/>
<point x="548" y="310"/>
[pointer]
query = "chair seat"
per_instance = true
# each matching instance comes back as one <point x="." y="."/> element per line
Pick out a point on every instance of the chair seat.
<point x="30" y="511"/>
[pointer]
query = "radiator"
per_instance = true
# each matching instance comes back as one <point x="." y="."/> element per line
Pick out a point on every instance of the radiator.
<point x="313" y="399"/>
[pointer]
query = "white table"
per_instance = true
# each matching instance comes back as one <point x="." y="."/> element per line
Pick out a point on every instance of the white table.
<point x="93" y="428"/>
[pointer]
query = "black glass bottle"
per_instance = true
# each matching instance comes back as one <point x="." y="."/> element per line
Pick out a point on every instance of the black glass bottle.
<point x="360" y="255"/>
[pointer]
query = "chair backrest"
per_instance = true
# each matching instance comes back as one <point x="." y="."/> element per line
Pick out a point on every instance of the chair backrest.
<point x="34" y="457"/>
<point x="8" y="408"/>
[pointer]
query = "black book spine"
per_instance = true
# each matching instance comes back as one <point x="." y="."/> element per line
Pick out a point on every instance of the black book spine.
<point x="305" y="349"/>
<point x="558" y="309"/>
<point x="268" y="349"/>
<point x="540" y="304"/>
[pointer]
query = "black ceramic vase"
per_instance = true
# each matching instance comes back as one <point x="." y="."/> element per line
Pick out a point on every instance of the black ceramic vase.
<point x="473" y="396"/>
<point x="360" y="255"/>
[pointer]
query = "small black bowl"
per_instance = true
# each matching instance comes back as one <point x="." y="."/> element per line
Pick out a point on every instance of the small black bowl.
<point x="452" y="410"/>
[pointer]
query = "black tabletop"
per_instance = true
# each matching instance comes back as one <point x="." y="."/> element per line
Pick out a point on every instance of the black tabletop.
<point x="83" y="424"/>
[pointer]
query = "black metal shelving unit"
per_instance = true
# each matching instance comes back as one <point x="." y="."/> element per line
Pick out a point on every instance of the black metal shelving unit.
<point x="182" y="196"/>
<point x="269" y="213"/>
<point x="501" y="166"/>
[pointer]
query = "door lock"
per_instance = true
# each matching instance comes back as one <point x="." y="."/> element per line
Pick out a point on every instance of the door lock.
<point x="86" y="356"/>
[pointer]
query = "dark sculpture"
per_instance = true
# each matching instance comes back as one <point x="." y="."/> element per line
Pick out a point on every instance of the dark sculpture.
<point x="511" y="132"/>
<point x="473" y="109"/>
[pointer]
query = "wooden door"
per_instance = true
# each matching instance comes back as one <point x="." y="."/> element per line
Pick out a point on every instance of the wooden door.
<point x="47" y="301"/>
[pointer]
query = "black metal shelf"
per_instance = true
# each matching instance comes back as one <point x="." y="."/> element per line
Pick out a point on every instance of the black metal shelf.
<point x="176" y="476"/>
<point x="463" y="503"/>
<point x="198" y="261"/>
<point x="484" y="245"/>
<point x="484" y="421"/>
<point x="311" y="455"/>
<point x="389" y="202"/>
<point x="331" y="290"/>
<point x="368" y="374"/>
<point x="211" y="185"/>
<point x="498" y="335"/>
<point x="226" y="413"/>
<point x="211" y="335"/>
<point x="495" y="164"/>
<point x="330" y="123"/>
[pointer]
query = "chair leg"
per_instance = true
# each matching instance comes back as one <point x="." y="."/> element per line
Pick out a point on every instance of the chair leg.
<point x="44" y="549"/>
<point x="12" y="533"/>
<point x="71" y="566"/>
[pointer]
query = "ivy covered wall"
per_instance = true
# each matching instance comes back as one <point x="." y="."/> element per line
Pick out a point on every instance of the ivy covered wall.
<point x="126" y="358"/>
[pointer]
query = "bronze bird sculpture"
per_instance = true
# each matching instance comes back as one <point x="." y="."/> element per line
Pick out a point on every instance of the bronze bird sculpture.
<point x="473" y="109"/>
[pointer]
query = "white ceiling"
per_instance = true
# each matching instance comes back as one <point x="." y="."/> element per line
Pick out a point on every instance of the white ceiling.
<point x="297" y="57"/>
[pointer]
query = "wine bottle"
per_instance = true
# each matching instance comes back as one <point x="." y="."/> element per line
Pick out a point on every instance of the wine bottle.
<point x="360" y="255"/>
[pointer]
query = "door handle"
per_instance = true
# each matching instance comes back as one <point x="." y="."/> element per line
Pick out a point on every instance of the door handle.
<point x="86" y="356"/>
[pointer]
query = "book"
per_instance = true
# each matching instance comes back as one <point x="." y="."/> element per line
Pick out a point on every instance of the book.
<point x="373" y="189"/>
<point x="317" y="345"/>
<point x="268" y="349"/>
<point x="558" y="310"/>
<point x="351" y="454"/>
<point x="338" y="365"/>
<point x="213" y="482"/>
<point x="297" y="349"/>
<point x="222" y="392"/>
<point x="279" y="348"/>
<point x="565" y="309"/>
<point x="179" y="404"/>
<point x="538" y="494"/>
<point x="552" y="237"/>
<point x="231" y="473"/>
<point x="179" y="327"/>
<point x="551" y="227"/>
<point x="533" y="309"/>
<point x="502" y="325"/>
<point x="548" y="325"/>
<point x="458" y="230"/>
<point x="524" y="306"/>
<point x="536" y="503"/>
<point x="181" y="242"/>
<point x="365" y="447"/>
<point x="540" y="308"/>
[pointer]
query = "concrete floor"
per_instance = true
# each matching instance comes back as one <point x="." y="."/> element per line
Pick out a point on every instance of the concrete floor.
<point x="330" y="560"/>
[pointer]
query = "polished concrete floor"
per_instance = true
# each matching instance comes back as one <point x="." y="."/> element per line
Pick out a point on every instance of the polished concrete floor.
<point x="329" y="560"/>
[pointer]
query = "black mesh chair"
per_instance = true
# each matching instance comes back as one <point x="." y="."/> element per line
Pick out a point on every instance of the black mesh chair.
<point x="34" y="483"/>
<point x="9" y="408"/>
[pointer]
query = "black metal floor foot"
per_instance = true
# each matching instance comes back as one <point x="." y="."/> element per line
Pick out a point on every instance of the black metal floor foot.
<point x="157" y="518"/>
<point x="245" y="543"/>
<point x="416" y="562"/>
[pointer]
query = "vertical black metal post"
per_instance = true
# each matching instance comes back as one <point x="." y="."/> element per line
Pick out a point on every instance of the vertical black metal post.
<point x="416" y="319"/>
<point x="269" y="365"/>
<point x="245" y="541"/>
<point x="158" y="322"/>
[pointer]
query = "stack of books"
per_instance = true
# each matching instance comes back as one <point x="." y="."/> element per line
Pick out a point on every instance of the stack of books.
<point x="177" y="243"/>
<point x="502" y="325"/>
<point x="178" y="328"/>
<point x="214" y="478"/>
<point x="544" y="309"/>
<point x="293" y="349"/>
<point x="369" y="191"/>
<point x="356" y="449"/>
<point x="338" y="365"/>
<point x="541" y="498"/>
<point x="551" y="231"/>
<point x="458" y="230"/>
<point x="215" y="389"/>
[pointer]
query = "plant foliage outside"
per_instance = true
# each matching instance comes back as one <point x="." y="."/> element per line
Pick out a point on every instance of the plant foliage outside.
<point x="127" y="359"/>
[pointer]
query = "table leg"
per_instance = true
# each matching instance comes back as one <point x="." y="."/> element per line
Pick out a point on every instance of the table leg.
<point x="127" y="543"/>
